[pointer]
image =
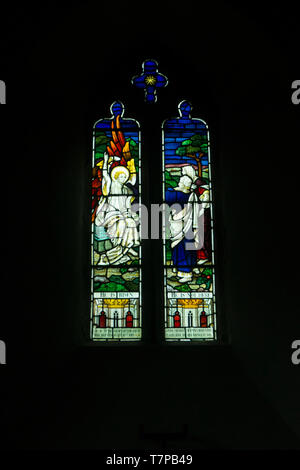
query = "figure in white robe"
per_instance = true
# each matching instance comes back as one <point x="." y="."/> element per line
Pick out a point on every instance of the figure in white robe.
<point x="115" y="214"/>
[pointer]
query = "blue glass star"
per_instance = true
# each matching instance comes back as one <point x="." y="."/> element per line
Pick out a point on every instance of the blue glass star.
<point x="150" y="80"/>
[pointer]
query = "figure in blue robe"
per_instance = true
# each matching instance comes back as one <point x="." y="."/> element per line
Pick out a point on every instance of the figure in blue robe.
<point x="184" y="258"/>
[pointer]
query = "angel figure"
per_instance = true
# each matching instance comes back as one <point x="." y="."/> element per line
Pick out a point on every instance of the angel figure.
<point x="114" y="211"/>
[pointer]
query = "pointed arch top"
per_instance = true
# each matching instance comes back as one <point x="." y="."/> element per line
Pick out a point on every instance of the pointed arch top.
<point x="117" y="108"/>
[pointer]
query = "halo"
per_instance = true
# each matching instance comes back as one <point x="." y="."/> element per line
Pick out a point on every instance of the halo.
<point x="122" y="169"/>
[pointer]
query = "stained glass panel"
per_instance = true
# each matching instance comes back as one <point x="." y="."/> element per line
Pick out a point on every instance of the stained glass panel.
<point x="189" y="271"/>
<point x="115" y="237"/>
<point x="150" y="80"/>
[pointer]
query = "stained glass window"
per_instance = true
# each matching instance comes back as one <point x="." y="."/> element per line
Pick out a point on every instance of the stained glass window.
<point x="115" y="239"/>
<point x="189" y="277"/>
<point x="150" y="80"/>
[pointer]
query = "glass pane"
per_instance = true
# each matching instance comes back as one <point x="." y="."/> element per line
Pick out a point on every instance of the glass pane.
<point x="189" y="274"/>
<point x="115" y="242"/>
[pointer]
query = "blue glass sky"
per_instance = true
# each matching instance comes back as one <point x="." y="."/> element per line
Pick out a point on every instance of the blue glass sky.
<point x="172" y="142"/>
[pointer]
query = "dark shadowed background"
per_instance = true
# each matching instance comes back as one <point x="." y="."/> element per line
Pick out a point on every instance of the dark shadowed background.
<point x="63" y="67"/>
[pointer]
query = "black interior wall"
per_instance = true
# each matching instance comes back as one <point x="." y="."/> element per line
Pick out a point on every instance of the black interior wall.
<point x="64" y="68"/>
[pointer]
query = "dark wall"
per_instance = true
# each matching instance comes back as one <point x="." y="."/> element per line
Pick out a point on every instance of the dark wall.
<point x="64" y="67"/>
